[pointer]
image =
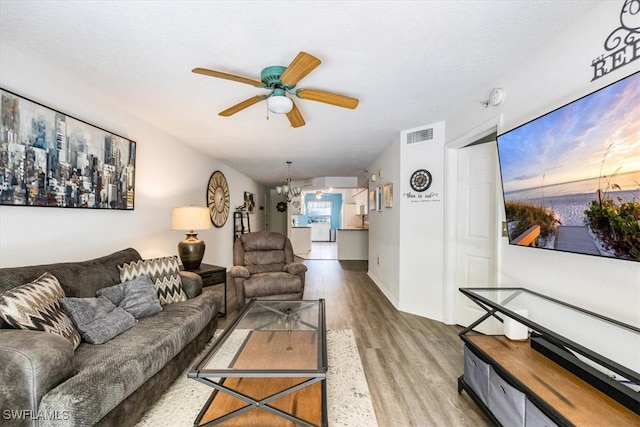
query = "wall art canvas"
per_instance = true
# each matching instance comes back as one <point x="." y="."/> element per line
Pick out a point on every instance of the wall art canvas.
<point x="48" y="158"/>
<point x="387" y="195"/>
<point x="379" y="198"/>
<point x="372" y="200"/>
<point x="249" y="202"/>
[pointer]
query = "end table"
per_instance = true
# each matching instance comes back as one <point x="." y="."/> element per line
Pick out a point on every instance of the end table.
<point x="213" y="275"/>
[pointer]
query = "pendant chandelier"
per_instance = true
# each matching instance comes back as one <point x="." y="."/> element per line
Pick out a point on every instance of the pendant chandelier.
<point x="288" y="190"/>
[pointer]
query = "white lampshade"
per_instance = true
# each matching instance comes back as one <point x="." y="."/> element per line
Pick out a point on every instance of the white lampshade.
<point x="279" y="104"/>
<point x="190" y="218"/>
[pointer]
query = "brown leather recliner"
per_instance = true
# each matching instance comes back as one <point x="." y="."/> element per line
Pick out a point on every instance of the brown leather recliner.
<point x="264" y="268"/>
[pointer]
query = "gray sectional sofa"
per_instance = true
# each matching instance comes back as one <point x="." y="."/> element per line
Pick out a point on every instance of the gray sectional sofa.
<point x="45" y="382"/>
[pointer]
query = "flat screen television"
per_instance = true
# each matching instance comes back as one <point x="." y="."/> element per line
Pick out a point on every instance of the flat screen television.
<point x="571" y="178"/>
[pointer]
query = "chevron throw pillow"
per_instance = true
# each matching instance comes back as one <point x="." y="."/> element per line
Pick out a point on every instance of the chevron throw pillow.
<point x="36" y="306"/>
<point x="164" y="273"/>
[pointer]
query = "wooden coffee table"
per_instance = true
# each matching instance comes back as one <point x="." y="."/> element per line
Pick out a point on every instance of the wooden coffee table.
<point x="268" y="367"/>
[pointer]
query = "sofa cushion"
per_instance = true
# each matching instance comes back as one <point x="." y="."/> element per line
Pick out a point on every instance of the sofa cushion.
<point x="97" y="319"/>
<point x="110" y="372"/>
<point x="263" y="241"/>
<point x="164" y="273"/>
<point x="264" y="257"/>
<point x="137" y="296"/>
<point x="31" y="364"/>
<point x="78" y="279"/>
<point x="268" y="284"/>
<point x="36" y="306"/>
<point x="295" y="268"/>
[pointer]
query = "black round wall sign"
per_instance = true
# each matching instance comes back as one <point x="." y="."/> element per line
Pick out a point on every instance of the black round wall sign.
<point x="281" y="206"/>
<point x="420" y="180"/>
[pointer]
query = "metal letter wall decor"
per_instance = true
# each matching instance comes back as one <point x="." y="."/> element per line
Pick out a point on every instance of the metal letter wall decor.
<point x="50" y="159"/>
<point x="623" y="44"/>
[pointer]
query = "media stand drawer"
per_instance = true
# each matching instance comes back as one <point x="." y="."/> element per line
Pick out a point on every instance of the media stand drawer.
<point x="476" y="374"/>
<point x="534" y="417"/>
<point x="505" y="402"/>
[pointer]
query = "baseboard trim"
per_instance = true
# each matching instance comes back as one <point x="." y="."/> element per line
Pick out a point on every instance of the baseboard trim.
<point x="384" y="291"/>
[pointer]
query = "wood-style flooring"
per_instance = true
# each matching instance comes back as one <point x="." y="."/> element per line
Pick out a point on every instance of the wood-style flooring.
<point x="321" y="250"/>
<point x="411" y="363"/>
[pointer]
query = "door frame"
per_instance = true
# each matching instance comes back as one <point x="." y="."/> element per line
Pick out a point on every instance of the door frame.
<point x="450" y="212"/>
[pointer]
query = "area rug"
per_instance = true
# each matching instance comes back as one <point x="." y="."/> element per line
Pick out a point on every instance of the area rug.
<point x="348" y="399"/>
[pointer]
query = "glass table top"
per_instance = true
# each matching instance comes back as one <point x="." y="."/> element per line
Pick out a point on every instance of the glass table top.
<point x="614" y="340"/>
<point x="269" y="338"/>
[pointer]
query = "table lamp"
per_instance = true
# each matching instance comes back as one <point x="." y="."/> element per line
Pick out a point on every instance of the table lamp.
<point x="191" y="249"/>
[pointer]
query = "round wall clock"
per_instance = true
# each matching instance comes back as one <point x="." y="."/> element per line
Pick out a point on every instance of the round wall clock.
<point x="281" y="206"/>
<point x="420" y="180"/>
<point x="218" y="199"/>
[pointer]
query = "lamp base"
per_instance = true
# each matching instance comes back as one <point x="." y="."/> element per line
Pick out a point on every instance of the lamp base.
<point x="191" y="251"/>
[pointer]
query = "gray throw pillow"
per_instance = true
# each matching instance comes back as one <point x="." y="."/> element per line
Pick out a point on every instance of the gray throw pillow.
<point x="97" y="319"/>
<point x="137" y="296"/>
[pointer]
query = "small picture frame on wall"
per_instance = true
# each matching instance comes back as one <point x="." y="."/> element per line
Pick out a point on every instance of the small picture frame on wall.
<point x="387" y="195"/>
<point x="372" y="200"/>
<point x="379" y="198"/>
<point x="250" y="202"/>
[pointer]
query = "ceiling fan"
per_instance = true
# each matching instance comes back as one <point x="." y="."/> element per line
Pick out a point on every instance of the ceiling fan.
<point x="280" y="81"/>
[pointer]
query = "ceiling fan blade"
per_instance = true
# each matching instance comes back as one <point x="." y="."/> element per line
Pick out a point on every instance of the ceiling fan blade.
<point x="227" y="76"/>
<point x="301" y="65"/>
<point x="295" y="118"/>
<point x="327" y="98"/>
<point x="242" y="105"/>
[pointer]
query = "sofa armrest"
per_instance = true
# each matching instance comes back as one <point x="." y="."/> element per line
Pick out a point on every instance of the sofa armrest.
<point x="239" y="271"/>
<point x="191" y="283"/>
<point x="295" y="268"/>
<point x="31" y="364"/>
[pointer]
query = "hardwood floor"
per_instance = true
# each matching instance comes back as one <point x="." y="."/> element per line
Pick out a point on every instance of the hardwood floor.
<point x="411" y="363"/>
<point x="321" y="250"/>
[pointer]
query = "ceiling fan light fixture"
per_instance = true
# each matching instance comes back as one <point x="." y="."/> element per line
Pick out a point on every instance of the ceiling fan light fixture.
<point x="279" y="104"/>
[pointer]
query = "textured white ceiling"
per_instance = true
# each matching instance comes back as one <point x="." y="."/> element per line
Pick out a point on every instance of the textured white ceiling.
<point x="409" y="62"/>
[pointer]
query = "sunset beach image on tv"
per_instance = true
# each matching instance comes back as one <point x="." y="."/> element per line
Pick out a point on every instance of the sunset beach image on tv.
<point x="571" y="178"/>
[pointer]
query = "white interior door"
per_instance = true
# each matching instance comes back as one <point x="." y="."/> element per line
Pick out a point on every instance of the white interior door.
<point x="476" y="226"/>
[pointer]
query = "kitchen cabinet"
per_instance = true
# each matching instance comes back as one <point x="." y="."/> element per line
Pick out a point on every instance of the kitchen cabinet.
<point x="320" y="232"/>
<point x="353" y="244"/>
<point x="300" y="239"/>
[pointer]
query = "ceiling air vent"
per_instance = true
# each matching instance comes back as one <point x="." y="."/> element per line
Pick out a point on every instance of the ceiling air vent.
<point x="421" y="135"/>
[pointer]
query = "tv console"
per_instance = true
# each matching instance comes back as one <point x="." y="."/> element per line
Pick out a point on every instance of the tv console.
<point x="576" y="368"/>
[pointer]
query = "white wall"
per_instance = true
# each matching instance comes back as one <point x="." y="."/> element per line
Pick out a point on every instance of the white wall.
<point x="384" y="226"/>
<point x="559" y="74"/>
<point x="406" y="242"/>
<point x="421" y="230"/>
<point x="168" y="174"/>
